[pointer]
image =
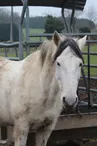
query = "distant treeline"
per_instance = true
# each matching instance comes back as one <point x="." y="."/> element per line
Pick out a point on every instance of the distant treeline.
<point x="36" y="22"/>
<point x="5" y="32"/>
<point x="39" y="22"/>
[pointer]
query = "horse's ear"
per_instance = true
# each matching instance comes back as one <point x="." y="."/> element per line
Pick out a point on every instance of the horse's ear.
<point x="82" y="42"/>
<point x="56" y="38"/>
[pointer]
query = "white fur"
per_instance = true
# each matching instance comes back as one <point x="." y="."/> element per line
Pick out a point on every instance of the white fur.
<point x="29" y="93"/>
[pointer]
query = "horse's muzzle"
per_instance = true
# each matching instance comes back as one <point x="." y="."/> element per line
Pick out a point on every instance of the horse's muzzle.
<point x="68" y="106"/>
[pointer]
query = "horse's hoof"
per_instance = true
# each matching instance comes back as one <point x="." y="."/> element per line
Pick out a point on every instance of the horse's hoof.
<point x="79" y="113"/>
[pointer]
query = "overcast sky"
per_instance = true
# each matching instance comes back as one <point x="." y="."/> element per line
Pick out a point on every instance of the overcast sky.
<point x="42" y="11"/>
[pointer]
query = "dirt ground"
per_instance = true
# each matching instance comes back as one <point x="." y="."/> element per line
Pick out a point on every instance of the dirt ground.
<point x="85" y="142"/>
<point x="83" y="94"/>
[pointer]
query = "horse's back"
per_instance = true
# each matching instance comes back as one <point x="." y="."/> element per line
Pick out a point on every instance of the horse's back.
<point x="18" y="80"/>
<point x="9" y="72"/>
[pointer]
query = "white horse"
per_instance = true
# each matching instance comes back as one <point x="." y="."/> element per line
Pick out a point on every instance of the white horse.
<point x="32" y="91"/>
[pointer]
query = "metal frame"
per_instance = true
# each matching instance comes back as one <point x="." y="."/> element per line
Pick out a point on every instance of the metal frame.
<point x="25" y="5"/>
<point x="69" y="27"/>
<point x="25" y="9"/>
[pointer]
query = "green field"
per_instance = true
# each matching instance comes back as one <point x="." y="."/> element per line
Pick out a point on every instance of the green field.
<point x="93" y="59"/>
<point x="33" y="31"/>
<point x="93" y="48"/>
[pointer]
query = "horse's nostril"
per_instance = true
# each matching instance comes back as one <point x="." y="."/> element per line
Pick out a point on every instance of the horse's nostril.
<point x="64" y="99"/>
<point x="76" y="99"/>
<point x="70" y="104"/>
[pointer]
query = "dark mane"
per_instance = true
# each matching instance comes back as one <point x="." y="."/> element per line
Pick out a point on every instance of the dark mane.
<point x="73" y="45"/>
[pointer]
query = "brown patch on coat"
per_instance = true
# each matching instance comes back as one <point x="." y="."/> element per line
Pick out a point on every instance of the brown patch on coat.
<point x="47" y="122"/>
<point x="18" y="133"/>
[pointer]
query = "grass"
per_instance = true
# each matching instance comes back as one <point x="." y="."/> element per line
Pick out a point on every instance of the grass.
<point x="33" y="31"/>
<point x="93" y="60"/>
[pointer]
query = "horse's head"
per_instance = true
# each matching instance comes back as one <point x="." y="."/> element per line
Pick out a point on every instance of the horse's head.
<point x="68" y="61"/>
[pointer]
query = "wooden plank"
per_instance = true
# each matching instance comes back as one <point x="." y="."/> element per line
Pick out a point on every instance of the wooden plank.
<point x="75" y="121"/>
<point x="71" y="123"/>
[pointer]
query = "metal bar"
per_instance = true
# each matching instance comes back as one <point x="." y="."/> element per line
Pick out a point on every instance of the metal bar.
<point x="27" y="30"/>
<point x="11" y="25"/>
<point x="21" y="56"/>
<point x="92" y="65"/>
<point x="84" y="89"/>
<point x="62" y="12"/>
<point x="92" y="78"/>
<point x="13" y="58"/>
<point x="41" y="35"/>
<point x="9" y="44"/>
<point x="16" y="44"/>
<point x="3" y="132"/>
<point x="92" y="41"/>
<point x="16" y="51"/>
<point x="72" y="16"/>
<point x="84" y="78"/>
<point x="89" y="100"/>
<point x="91" y="53"/>
<point x="68" y="34"/>
<point x="6" y="52"/>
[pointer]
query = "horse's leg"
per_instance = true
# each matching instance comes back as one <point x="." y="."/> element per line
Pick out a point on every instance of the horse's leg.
<point x="21" y="129"/>
<point x="42" y="136"/>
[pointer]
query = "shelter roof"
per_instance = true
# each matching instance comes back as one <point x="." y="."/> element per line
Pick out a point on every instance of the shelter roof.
<point x="54" y="3"/>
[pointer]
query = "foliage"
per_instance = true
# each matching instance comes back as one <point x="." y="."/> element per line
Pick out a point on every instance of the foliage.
<point x="36" y="22"/>
<point x="39" y="22"/>
<point x="91" y="13"/>
<point x="52" y="24"/>
<point x="84" y="30"/>
<point x="5" y="16"/>
<point x="5" y="32"/>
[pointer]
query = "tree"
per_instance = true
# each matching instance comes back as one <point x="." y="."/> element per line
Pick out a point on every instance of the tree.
<point x="16" y="18"/>
<point x="91" y="13"/>
<point x="5" y="16"/>
<point x="5" y="32"/>
<point x="52" y="24"/>
<point x="68" y="12"/>
<point x="84" y="30"/>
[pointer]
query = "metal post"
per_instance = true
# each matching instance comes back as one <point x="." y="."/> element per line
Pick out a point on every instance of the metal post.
<point x="21" y="56"/>
<point x="89" y="100"/>
<point x="11" y="25"/>
<point x="27" y="30"/>
<point x="3" y="132"/>
<point x="72" y="16"/>
<point x="62" y="12"/>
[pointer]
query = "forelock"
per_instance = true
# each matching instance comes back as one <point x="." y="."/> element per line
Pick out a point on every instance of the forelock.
<point x="73" y="45"/>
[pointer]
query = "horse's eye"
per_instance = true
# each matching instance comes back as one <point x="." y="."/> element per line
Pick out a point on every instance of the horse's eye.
<point x="58" y="63"/>
<point x="80" y="64"/>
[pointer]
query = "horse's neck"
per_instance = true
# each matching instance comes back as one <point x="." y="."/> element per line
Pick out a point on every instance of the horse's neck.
<point x="31" y="65"/>
<point x="48" y="79"/>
